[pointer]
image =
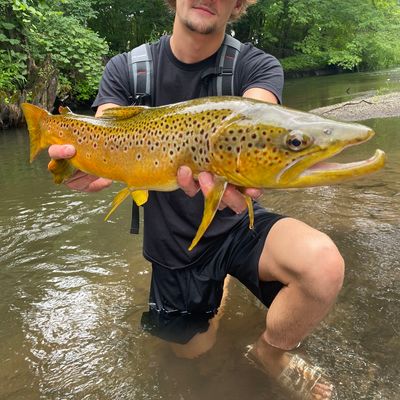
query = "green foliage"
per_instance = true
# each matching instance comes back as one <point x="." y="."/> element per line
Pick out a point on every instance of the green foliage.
<point x="75" y="50"/>
<point x="303" y="62"/>
<point x="126" y="23"/>
<point x="13" y="70"/>
<point x="31" y="31"/>
<point x="345" y="34"/>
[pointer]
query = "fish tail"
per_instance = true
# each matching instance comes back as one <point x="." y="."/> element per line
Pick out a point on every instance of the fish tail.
<point x="34" y="115"/>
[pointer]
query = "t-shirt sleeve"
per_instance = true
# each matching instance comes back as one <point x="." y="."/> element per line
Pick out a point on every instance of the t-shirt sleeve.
<point x="258" y="69"/>
<point x="114" y="84"/>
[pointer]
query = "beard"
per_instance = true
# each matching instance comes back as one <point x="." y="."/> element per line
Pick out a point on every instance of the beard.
<point x="203" y="29"/>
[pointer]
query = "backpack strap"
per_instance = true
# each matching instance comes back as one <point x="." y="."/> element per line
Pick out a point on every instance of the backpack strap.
<point x="140" y="66"/>
<point x="226" y="66"/>
<point x="219" y="80"/>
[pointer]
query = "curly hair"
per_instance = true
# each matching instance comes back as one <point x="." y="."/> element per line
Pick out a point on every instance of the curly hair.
<point x="245" y="4"/>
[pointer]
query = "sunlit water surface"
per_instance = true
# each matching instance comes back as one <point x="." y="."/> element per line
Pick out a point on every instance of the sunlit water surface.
<point x="72" y="288"/>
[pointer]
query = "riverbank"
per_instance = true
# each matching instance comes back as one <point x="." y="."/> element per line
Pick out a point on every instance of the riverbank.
<point x="362" y="108"/>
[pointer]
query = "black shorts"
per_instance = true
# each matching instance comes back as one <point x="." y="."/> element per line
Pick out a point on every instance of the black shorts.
<point x="183" y="300"/>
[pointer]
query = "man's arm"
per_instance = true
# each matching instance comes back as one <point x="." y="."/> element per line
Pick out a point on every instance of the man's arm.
<point x="261" y="94"/>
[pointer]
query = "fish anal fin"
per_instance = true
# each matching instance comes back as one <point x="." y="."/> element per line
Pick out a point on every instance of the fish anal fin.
<point x="211" y="203"/>
<point x="122" y="112"/>
<point x="118" y="199"/>
<point x="140" y="196"/>
<point x="61" y="169"/>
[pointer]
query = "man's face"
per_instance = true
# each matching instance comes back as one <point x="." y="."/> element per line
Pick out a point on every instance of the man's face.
<point x="205" y="16"/>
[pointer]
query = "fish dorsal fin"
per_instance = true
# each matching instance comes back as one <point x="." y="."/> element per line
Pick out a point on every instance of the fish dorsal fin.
<point x="122" y="112"/>
<point x="64" y="110"/>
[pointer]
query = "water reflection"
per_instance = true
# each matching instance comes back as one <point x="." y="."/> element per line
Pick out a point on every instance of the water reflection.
<point x="73" y="288"/>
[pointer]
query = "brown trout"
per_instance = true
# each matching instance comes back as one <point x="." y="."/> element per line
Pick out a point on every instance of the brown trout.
<point x="245" y="142"/>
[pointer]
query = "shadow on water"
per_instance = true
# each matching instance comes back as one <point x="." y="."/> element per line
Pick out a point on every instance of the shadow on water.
<point x="73" y="288"/>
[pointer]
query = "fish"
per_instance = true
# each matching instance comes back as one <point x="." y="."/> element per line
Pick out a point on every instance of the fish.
<point x="242" y="141"/>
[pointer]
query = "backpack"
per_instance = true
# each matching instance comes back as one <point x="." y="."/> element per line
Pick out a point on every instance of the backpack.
<point x="217" y="81"/>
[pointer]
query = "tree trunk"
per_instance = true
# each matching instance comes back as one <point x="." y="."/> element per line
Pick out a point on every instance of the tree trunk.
<point x="41" y="90"/>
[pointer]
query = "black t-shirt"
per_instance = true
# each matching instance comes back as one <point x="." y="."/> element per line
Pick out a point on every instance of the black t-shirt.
<point x="171" y="219"/>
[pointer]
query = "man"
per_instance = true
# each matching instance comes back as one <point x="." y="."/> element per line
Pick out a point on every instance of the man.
<point x="293" y="269"/>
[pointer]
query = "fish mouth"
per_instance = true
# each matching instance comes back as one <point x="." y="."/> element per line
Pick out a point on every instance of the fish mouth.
<point x="324" y="173"/>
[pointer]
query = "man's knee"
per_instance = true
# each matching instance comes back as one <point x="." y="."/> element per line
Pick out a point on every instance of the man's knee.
<point x="322" y="270"/>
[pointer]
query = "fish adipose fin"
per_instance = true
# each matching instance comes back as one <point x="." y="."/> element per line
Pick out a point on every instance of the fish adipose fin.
<point x="33" y="116"/>
<point x="211" y="203"/>
<point x="122" y="112"/>
<point x="139" y="197"/>
<point x="65" y="111"/>
<point x="61" y="169"/>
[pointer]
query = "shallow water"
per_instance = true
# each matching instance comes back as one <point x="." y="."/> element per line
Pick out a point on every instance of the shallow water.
<point x="72" y="288"/>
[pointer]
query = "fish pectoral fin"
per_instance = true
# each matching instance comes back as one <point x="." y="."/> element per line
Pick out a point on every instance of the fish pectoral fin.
<point x="61" y="169"/>
<point x="122" y="112"/>
<point x="118" y="199"/>
<point x="140" y="196"/>
<point x="211" y="203"/>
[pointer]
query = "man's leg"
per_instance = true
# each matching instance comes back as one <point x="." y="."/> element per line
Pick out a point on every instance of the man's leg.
<point x="203" y="342"/>
<point x="310" y="266"/>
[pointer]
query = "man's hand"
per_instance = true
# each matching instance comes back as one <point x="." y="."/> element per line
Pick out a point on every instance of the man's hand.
<point x="79" y="181"/>
<point x="232" y="197"/>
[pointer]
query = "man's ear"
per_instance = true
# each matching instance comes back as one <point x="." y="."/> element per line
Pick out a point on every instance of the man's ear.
<point x="238" y="8"/>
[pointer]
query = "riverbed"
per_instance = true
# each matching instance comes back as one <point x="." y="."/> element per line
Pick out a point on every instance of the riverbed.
<point x="73" y="288"/>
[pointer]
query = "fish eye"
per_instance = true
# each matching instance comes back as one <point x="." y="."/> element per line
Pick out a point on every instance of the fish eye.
<point x="297" y="140"/>
<point x="328" y="131"/>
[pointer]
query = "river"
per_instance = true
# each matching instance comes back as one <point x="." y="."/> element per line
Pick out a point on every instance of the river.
<point x="73" y="288"/>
